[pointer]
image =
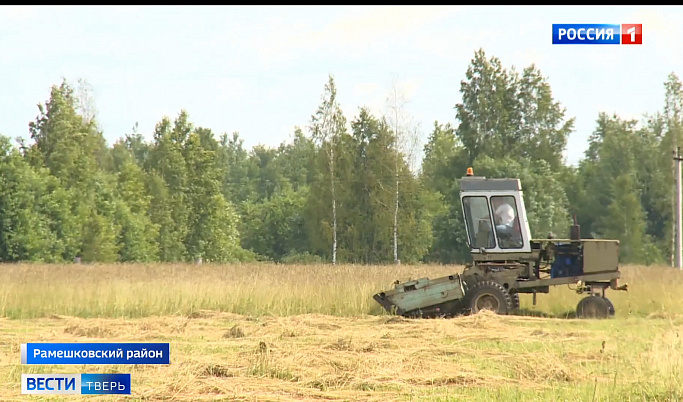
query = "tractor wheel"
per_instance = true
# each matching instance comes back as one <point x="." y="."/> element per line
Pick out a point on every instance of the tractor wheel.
<point x="489" y="295"/>
<point x="515" y="300"/>
<point x="612" y="311"/>
<point x="593" y="307"/>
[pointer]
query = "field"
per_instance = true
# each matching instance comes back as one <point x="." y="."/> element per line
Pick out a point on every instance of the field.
<point x="274" y="332"/>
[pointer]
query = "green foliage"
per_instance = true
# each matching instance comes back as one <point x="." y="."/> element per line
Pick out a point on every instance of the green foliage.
<point x="137" y="239"/>
<point x="444" y="162"/>
<point x="503" y="114"/>
<point x="276" y="226"/>
<point x="367" y="235"/>
<point x="237" y="169"/>
<point x="625" y="193"/>
<point x="331" y="195"/>
<point x="624" y="219"/>
<point x="99" y="239"/>
<point x="186" y="176"/>
<point x="444" y="159"/>
<point x="27" y="210"/>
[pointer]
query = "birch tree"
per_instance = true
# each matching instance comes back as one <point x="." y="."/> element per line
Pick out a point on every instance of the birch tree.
<point x="673" y="109"/>
<point x="327" y="124"/>
<point x="85" y="101"/>
<point x="406" y="142"/>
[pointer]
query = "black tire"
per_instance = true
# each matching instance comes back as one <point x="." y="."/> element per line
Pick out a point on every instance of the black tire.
<point x="612" y="311"/>
<point x="593" y="307"/>
<point x="488" y="295"/>
<point x="515" y="300"/>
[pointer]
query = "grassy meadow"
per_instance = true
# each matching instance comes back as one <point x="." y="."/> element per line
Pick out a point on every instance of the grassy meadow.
<point x="304" y="332"/>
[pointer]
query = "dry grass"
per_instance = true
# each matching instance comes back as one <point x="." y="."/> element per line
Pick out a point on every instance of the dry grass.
<point x="28" y="291"/>
<point x="31" y="291"/>
<point x="265" y="332"/>
<point x="312" y="356"/>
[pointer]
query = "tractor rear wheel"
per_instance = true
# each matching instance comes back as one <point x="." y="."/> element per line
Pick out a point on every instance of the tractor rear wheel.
<point x="593" y="307"/>
<point x="612" y="311"/>
<point x="489" y="295"/>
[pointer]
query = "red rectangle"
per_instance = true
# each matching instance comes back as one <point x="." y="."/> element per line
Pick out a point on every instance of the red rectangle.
<point x="631" y="34"/>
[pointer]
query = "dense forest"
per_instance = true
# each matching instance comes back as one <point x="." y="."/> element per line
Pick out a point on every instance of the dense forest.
<point x="346" y="189"/>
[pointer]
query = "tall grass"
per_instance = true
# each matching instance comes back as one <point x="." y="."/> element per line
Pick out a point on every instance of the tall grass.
<point x="140" y="290"/>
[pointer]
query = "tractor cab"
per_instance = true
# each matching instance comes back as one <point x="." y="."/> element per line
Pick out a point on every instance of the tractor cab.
<point x="495" y="216"/>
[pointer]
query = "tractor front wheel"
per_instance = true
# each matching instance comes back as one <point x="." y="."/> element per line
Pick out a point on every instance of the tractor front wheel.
<point x="515" y="300"/>
<point x="489" y="295"/>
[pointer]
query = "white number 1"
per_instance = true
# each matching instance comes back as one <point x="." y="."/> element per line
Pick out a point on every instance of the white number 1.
<point x="632" y="31"/>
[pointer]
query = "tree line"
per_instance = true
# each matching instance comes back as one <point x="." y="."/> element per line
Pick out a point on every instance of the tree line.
<point x="344" y="190"/>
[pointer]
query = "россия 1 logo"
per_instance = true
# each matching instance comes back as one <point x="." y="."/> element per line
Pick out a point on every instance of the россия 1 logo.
<point x="597" y="34"/>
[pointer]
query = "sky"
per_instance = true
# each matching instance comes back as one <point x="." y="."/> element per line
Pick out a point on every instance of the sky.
<point x="261" y="70"/>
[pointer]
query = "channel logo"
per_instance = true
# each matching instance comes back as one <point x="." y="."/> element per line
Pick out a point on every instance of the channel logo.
<point x="75" y="384"/>
<point x="631" y="34"/>
<point x="597" y="34"/>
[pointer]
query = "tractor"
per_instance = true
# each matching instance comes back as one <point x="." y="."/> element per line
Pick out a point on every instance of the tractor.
<point x="506" y="261"/>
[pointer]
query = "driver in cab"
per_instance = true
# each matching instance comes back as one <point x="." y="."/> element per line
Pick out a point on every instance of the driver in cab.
<point x="505" y="223"/>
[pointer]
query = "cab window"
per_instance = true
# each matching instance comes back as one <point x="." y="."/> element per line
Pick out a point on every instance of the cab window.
<point x="478" y="221"/>
<point x="506" y="218"/>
